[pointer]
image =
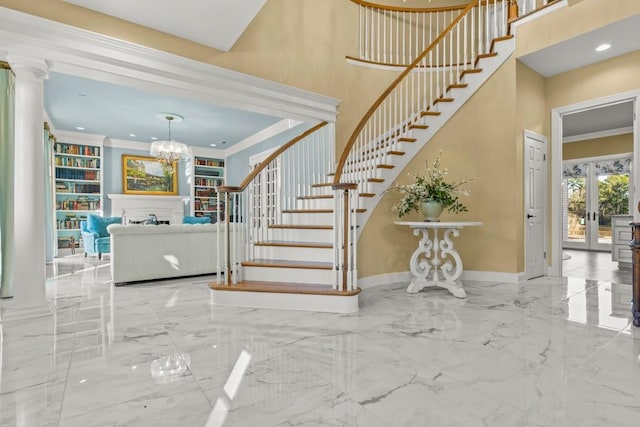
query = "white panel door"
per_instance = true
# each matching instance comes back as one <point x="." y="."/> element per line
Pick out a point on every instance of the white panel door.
<point x="535" y="147"/>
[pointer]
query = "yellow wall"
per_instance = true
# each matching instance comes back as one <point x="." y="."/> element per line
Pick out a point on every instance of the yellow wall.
<point x="478" y="141"/>
<point x="598" y="147"/>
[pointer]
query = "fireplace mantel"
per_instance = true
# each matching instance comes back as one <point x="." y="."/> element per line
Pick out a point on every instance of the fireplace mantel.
<point x="134" y="207"/>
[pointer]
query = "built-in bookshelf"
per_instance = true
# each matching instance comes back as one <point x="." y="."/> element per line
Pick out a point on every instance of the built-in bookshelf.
<point x="208" y="174"/>
<point x="78" y="176"/>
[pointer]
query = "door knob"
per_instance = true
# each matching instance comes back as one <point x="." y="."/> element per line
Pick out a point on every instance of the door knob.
<point x="530" y="216"/>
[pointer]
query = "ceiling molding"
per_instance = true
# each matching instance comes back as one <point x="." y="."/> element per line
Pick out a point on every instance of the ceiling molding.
<point x="75" y="51"/>
<point x="124" y="144"/>
<point x="596" y="135"/>
<point x="79" y="138"/>
<point x="273" y="130"/>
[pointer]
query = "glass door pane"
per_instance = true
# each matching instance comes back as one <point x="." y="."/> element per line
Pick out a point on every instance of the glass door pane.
<point x="613" y="199"/>
<point x="576" y="203"/>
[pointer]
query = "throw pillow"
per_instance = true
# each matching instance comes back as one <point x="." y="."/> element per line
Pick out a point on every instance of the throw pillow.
<point x="196" y="220"/>
<point x="98" y="224"/>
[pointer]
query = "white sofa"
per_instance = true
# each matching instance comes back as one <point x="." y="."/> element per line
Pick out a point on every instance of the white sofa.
<point x="148" y="252"/>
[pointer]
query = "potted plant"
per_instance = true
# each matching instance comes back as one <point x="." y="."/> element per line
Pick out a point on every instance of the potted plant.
<point x="431" y="193"/>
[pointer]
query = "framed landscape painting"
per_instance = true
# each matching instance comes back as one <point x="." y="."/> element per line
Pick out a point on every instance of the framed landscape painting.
<point x="148" y="175"/>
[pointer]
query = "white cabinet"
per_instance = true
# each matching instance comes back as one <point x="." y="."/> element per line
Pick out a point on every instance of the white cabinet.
<point x="620" y="239"/>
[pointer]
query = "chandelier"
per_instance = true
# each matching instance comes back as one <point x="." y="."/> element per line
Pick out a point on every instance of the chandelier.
<point x="169" y="151"/>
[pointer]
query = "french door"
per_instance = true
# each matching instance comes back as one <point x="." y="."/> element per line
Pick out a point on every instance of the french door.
<point x="594" y="190"/>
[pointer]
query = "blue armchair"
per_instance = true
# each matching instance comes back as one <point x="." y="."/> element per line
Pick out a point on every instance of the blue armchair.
<point x="95" y="237"/>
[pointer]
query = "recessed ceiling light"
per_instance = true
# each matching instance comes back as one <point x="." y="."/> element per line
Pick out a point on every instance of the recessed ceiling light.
<point x="82" y="94"/>
<point x="79" y="128"/>
<point x="154" y="138"/>
<point x="132" y="135"/>
<point x="213" y="145"/>
<point x="603" y="47"/>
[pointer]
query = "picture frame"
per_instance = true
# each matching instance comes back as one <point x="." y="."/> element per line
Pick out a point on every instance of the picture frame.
<point x="148" y="176"/>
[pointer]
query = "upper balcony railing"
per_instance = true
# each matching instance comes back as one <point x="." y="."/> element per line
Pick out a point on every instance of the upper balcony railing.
<point x="417" y="89"/>
<point x="397" y="35"/>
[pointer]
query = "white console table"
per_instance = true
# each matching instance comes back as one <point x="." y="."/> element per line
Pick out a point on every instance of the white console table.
<point x="435" y="256"/>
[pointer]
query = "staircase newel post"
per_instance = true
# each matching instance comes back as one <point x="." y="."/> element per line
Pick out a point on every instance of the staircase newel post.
<point x="227" y="230"/>
<point x="344" y="243"/>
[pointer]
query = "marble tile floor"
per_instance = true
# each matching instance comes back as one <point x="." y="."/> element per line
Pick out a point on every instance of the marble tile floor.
<point x="547" y="352"/>
<point x="594" y="265"/>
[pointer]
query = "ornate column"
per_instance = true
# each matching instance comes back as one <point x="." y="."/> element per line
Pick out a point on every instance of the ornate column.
<point x="29" y="234"/>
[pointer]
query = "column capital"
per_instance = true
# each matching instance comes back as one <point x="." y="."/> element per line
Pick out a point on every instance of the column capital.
<point x="26" y="66"/>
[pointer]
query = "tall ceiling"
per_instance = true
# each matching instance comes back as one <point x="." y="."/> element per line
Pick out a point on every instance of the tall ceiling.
<point x="213" y="23"/>
<point x="119" y="112"/>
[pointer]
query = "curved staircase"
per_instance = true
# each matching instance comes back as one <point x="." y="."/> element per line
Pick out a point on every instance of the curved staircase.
<point x="295" y="247"/>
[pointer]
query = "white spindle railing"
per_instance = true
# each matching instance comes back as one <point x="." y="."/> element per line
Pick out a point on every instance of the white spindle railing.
<point x="396" y="35"/>
<point x="528" y="6"/>
<point x="419" y="88"/>
<point x="272" y="188"/>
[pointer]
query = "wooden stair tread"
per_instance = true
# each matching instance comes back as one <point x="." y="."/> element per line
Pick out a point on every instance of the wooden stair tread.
<point x="430" y="113"/>
<point x="443" y="100"/>
<point x="290" y="244"/>
<point x="282" y="288"/>
<point x="375" y="179"/>
<point x="321" y="196"/>
<point x="484" y="55"/>
<point x="471" y="71"/>
<point x="418" y="126"/>
<point x="457" y="86"/>
<point x="301" y="227"/>
<point x="283" y="263"/>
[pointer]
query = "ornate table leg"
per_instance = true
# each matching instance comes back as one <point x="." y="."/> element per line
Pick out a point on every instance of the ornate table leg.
<point x="432" y="255"/>
<point x="451" y="271"/>
<point x="420" y="264"/>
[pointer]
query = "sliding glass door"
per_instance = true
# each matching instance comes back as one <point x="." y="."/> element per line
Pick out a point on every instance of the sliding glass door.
<point x="593" y="191"/>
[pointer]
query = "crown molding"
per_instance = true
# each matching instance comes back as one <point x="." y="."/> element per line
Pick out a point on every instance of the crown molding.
<point x="78" y="137"/>
<point x="600" y="134"/>
<point x="83" y="53"/>
<point x="263" y="135"/>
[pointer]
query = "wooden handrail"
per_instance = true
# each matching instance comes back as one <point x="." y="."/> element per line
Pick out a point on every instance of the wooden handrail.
<point x="392" y="86"/>
<point x="408" y="9"/>
<point x="275" y="154"/>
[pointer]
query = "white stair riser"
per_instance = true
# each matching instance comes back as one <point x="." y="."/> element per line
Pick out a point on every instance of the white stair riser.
<point x="314" y="203"/>
<point x="314" y="218"/>
<point x="272" y="300"/>
<point x="301" y="235"/>
<point x="288" y="275"/>
<point x="293" y="253"/>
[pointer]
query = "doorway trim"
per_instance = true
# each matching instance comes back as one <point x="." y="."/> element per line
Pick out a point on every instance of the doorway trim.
<point x="555" y="269"/>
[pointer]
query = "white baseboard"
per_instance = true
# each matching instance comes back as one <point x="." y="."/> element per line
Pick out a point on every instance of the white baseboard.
<point x="493" y="276"/>
<point x="405" y="276"/>
<point x="384" y="279"/>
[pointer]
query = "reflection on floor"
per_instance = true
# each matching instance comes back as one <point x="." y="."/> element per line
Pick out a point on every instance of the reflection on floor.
<point x="546" y="352"/>
<point x="595" y="266"/>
